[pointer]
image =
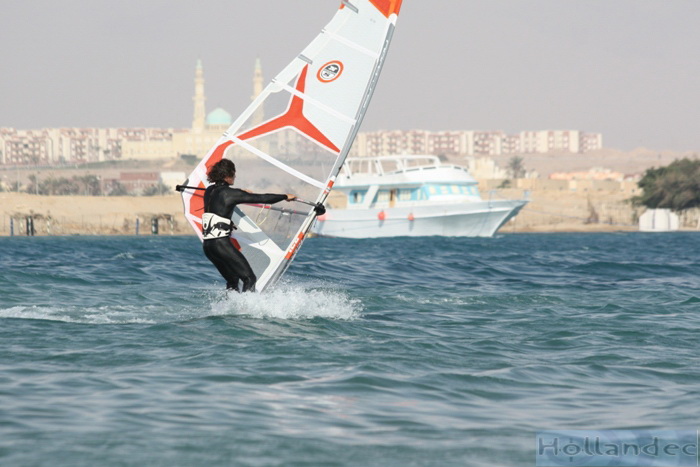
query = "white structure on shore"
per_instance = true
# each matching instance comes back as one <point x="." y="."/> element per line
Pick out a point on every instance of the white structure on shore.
<point x="659" y="220"/>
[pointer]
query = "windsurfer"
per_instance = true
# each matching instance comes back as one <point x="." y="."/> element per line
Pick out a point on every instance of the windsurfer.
<point x="220" y="199"/>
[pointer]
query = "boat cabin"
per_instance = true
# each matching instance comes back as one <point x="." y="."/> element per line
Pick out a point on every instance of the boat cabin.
<point x="394" y="181"/>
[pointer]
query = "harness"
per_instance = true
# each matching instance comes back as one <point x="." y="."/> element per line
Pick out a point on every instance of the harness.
<point x="214" y="226"/>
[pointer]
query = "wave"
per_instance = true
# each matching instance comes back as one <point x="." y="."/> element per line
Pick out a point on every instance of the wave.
<point x="288" y="301"/>
<point x="82" y="315"/>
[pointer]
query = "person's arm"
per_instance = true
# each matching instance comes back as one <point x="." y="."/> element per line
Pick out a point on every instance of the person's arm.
<point x="258" y="198"/>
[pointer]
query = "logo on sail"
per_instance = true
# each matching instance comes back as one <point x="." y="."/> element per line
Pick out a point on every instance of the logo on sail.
<point x="330" y="71"/>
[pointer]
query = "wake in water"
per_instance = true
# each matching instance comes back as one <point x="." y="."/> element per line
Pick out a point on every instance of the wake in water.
<point x="84" y="315"/>
<point x="288" y="300"/>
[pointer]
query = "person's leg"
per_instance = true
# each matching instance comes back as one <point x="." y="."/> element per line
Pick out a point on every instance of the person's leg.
<point x="231" y="264"/>
<point x="243" y="270"/>
<point x="249" y="283"/>
<point x="219" y="258"/>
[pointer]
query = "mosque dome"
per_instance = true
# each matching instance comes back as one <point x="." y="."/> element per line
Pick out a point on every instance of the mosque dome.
<point x="219" y="116"/>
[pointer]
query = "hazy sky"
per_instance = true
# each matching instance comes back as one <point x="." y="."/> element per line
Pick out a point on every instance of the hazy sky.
<point x="629" y="69"/>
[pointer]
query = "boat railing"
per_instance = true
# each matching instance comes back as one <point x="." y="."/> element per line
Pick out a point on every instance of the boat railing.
<point x="401" y="164"/>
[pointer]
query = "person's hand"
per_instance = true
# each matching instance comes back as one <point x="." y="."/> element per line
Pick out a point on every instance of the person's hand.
<point x="291" y="197"/>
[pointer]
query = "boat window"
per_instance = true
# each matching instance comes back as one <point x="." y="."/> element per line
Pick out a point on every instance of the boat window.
<point x="455" y="189"/>
<point x="383" y="195"/>
<point x="405" y="195"/>
<point x="358" y="196"/>
<point x="432" y="189"/>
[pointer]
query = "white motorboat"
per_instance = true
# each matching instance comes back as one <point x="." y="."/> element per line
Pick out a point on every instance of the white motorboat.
<point x="393" y="196"/>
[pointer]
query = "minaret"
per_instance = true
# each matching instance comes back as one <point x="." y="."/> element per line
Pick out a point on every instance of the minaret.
<point x="259" y="115"/>
<point x="199" y="111"/>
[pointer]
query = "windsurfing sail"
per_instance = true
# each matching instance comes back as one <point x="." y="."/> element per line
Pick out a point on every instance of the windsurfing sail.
<point x="316" y="105"/>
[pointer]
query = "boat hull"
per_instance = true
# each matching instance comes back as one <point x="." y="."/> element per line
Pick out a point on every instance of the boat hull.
<point x="474" y="219"/>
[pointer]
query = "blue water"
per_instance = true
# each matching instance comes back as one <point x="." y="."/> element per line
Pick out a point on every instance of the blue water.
<point x="125" y="350"/>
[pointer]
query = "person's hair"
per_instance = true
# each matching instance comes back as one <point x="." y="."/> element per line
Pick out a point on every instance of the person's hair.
<point x="220" y="171"/>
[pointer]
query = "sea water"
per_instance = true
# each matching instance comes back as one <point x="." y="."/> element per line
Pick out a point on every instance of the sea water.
<point x="120" y="351"/>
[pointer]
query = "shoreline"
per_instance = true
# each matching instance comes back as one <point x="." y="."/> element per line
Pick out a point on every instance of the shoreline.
<point x="556" y="212"/>
<point x="499" y="233"/>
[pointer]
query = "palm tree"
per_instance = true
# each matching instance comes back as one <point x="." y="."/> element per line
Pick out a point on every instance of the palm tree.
<point x="159" y="189"/>
<point x="33" y="187"/>
<point x="516" y="168"/>
<point x="116" y="188"/>
<point x="91" y="184"/>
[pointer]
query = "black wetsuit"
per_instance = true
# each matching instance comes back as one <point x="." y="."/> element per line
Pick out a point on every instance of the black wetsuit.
<point x="221" y="199"/>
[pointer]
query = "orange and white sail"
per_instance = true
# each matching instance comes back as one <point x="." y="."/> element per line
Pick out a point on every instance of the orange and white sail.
<point x="314" y="106"/>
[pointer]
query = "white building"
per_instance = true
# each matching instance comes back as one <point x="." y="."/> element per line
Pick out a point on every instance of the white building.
<point x="60" y="145"/>
<point x="473" y="143"/>
<point x="50" y="146"/>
